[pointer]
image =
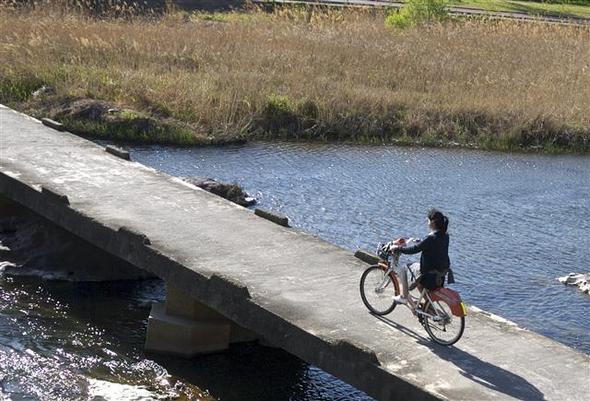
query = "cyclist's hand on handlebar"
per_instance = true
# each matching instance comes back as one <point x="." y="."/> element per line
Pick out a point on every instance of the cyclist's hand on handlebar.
<point x="396" y="248"/>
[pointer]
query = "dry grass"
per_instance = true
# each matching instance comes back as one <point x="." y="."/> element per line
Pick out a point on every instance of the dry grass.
<point x="332" y="75"/>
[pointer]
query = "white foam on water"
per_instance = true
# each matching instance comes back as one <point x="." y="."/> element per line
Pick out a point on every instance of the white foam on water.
<point x="4" y="265"/>
<point x="100" y="390"/>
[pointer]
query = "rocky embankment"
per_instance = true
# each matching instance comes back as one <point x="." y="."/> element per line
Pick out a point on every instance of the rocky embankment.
<point x="100" y="119"/>
<point x="582" y="281"/>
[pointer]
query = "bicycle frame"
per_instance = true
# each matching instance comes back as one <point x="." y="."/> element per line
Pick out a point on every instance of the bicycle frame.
<point x="425" y="294"/>
<point x="451" y="297"/>
<point x="389" y="272"/>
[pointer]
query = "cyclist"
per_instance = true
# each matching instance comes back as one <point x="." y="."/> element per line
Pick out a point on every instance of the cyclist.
<point x="434" y="261"/>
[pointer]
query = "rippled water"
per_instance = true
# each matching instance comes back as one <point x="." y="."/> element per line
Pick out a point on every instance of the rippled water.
<point x="518" y="221"/>
<point x="84" y="341"/>
<point x="64" y="341"/>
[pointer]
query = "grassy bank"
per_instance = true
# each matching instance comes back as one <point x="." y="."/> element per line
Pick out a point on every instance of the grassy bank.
<point x="296" y="74"/>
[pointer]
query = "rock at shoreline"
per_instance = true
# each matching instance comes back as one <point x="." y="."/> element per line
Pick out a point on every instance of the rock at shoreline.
<point x="582" y="281"/>
<point x="44" y="91"/>
<point x="230" y="192"/>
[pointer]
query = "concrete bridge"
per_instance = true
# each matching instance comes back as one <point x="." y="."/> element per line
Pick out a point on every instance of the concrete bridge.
<point x="233" y="276"/>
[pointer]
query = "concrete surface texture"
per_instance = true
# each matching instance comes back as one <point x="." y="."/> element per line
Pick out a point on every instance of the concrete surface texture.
<point x="297" y="291"/>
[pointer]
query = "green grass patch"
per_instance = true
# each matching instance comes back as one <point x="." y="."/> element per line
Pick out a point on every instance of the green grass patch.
<point x="153" y="133"/>
<point x="18" y="88"/>
<point x="417" y="12"/>
<point x="228" y="16"/>
<point x="287" y="118"/>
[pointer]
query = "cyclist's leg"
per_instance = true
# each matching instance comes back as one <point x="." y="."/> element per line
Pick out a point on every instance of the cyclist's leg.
<point x="413" y="270"/>
<point x="404" y="281"/>
<point x="403" y="275"/>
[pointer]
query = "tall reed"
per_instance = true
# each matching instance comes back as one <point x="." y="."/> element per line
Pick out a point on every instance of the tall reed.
<point x="311" y="73"/>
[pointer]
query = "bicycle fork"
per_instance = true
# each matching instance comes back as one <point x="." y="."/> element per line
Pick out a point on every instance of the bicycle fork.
<point x="386" y="281"/>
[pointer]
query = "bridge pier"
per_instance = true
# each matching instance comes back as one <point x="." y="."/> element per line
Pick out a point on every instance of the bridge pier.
<point x="185" y="327"/>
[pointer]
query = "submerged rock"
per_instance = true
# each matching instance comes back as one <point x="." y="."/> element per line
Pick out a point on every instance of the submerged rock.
<point x="230" y="192"/>
<point x="582" y="281"/>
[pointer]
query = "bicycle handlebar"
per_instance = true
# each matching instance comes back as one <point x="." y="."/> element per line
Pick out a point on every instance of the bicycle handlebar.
<point x="387" y="248"/>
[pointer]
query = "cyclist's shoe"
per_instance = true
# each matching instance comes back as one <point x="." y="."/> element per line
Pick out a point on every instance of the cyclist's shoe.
<point x="400" y="299"/>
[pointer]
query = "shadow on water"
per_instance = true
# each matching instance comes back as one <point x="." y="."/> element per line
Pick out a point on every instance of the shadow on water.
<point x="245" y="372"/>
<point x="482" y="372"/>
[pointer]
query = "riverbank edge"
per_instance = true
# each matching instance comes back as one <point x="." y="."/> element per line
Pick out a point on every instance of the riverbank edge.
<point x="103" y="120"/>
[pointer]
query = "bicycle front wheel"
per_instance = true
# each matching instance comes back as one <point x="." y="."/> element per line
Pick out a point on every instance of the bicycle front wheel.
<point x="445" y="328"/>
<point x="378" y="290"/>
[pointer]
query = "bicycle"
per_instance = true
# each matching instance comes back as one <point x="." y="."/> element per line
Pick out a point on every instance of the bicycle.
<point x="441" y="311"/>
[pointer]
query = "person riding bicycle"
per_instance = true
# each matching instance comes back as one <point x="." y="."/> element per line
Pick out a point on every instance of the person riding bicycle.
<point x="434" y="261"/>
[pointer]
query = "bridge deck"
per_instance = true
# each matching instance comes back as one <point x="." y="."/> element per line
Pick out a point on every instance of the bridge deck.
<point x="298" y="291"/>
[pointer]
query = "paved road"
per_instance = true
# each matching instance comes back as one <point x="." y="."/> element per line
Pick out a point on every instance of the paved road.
<point x="453" y="10"/>
<point x="298" y="291"/>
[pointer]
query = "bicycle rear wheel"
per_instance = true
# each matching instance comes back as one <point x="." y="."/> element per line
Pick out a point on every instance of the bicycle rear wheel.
<point x="378" y="290"/>
<point x="445" y="328"/>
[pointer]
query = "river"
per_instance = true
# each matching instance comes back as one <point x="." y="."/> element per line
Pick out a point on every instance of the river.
<point x="517" y="221"/>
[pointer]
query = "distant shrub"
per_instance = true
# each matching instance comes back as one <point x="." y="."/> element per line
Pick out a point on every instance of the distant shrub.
<point x="290" y="117"/>
<point x="417" y="12"/>
<point x="279" y="106"/>
<point x="279" y="113"/>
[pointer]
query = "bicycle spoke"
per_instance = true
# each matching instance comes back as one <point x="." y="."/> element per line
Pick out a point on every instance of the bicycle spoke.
<point x="444" y="328"/>
<point x="374" y="291"/>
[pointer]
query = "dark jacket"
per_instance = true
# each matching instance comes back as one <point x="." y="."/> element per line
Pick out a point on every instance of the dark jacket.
<point x="435" y="252"/>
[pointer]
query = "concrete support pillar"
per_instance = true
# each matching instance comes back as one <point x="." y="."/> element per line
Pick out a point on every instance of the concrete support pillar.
<point x="185" y="327"/>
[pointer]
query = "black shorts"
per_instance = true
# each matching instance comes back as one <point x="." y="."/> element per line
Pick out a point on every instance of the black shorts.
<point x="432" y="281"/>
